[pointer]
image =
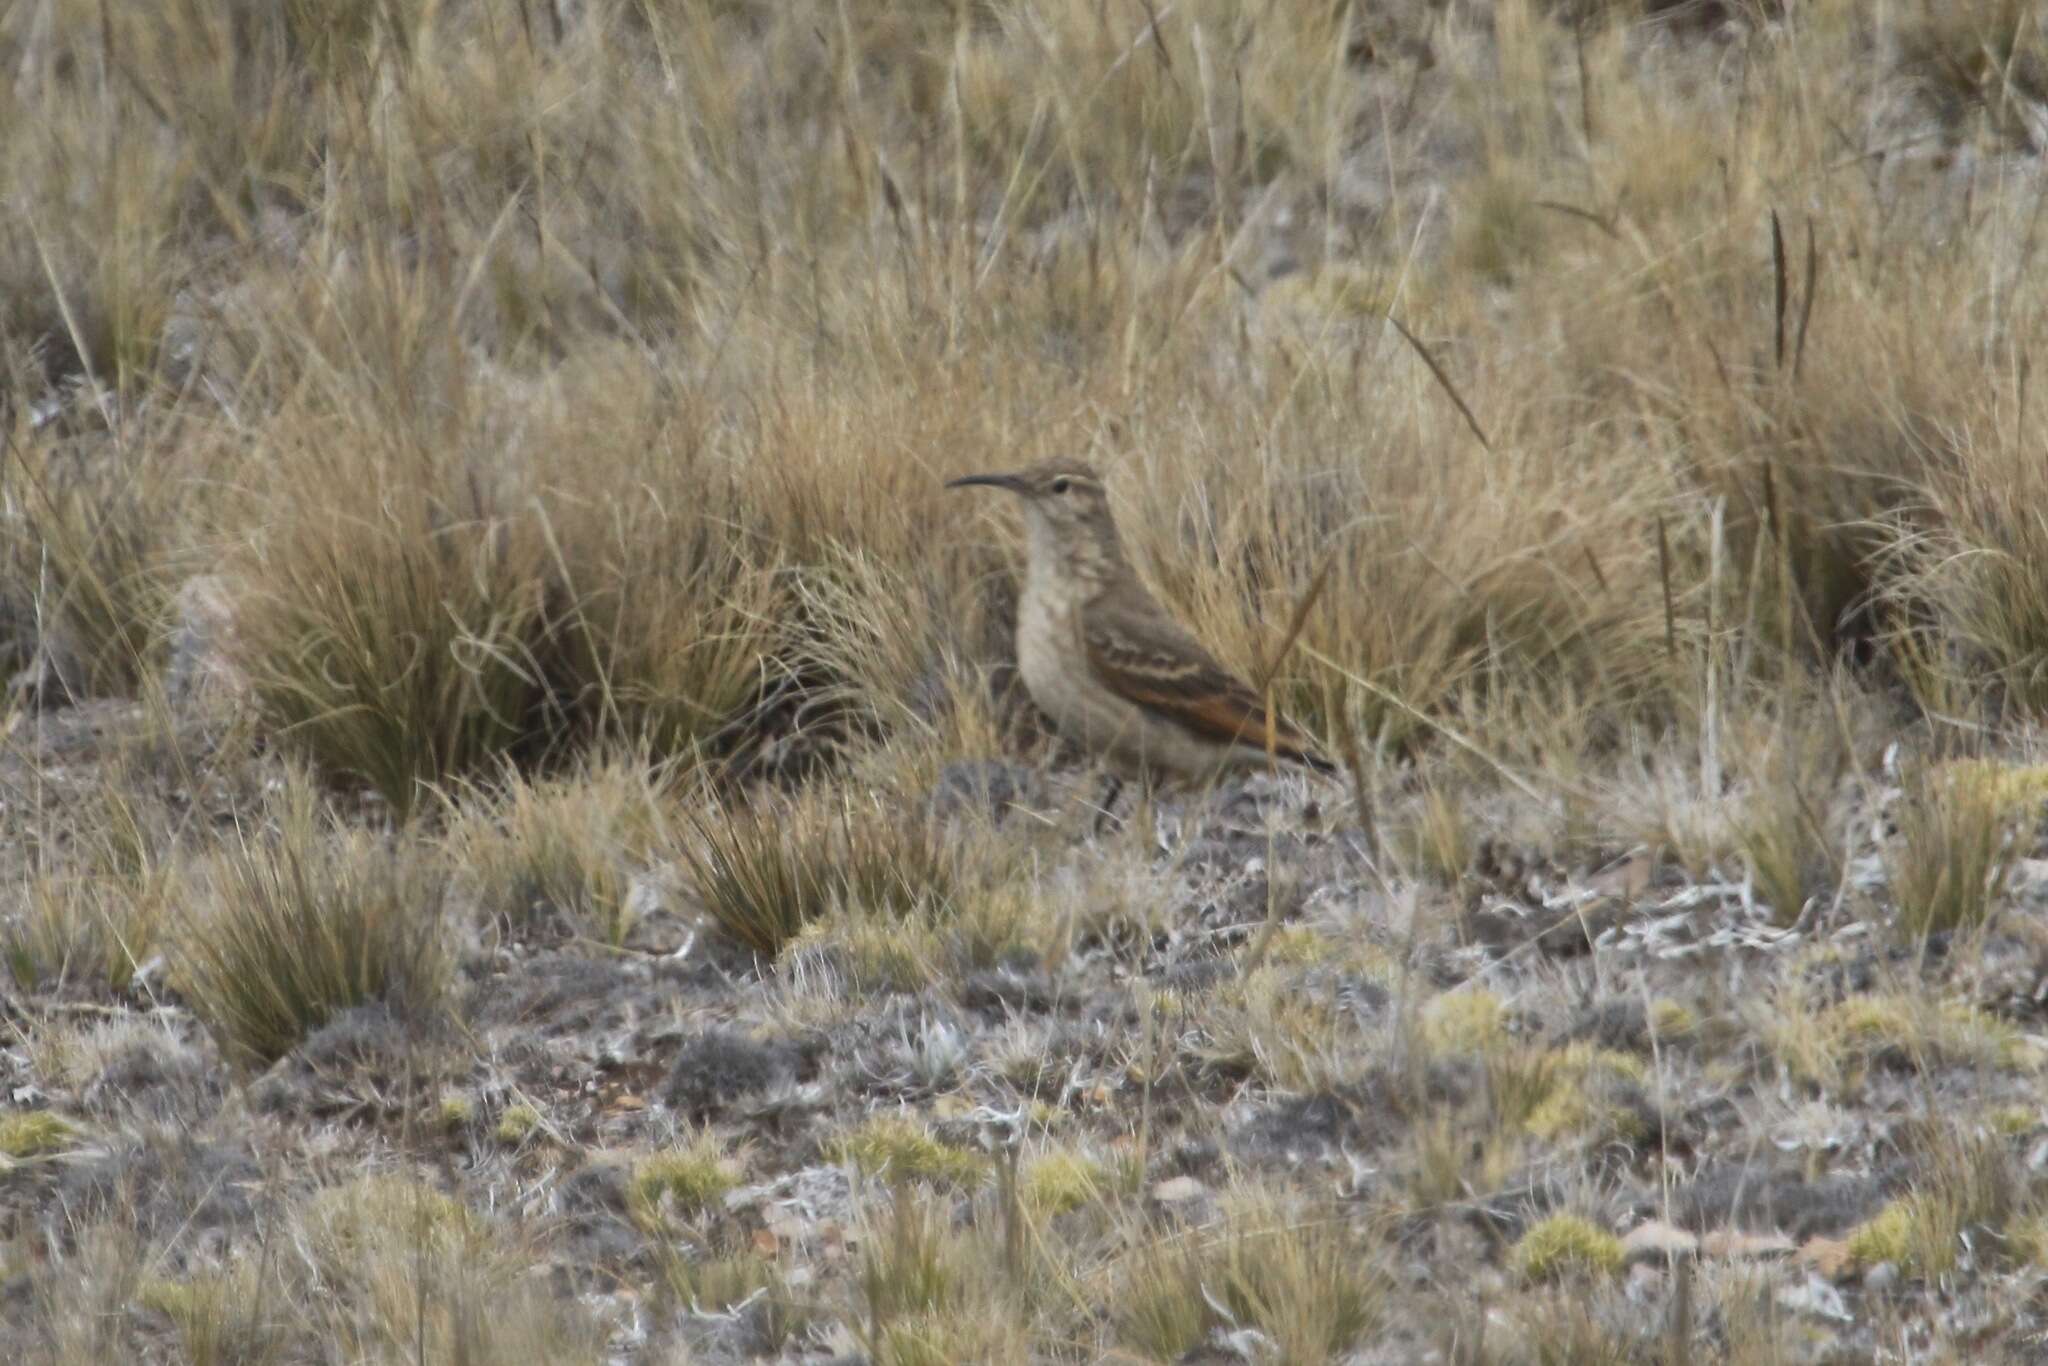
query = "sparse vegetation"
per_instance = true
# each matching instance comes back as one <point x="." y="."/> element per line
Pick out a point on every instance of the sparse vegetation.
<point x="522" y="838"/>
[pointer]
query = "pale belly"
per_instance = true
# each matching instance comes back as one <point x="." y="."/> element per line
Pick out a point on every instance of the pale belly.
<point x="1117" y="731"/>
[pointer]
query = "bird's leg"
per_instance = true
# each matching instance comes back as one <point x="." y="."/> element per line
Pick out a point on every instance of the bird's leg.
<point x="1105" y="807"/>
<point x="1148" y="804"/>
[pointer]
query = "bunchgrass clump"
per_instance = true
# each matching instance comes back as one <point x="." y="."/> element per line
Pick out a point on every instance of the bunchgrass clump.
<point x="931" y="1290"/>
<point x="1521" y="1078"/>
<point x="1589" y="1097"/>
<point x="77" y="1301"/>
<point x="1967" y="591"/>
<point x="1789" y="831"/>
<point x="566" y="846"/>
<point x="689" y="1178"/>
<point x="1264" y="1026"/>
<point x="389" y="628"/>
<point x="402" y="1267"/>
<point x="454" y="1113"/>
<point x="1903" y="1030"/>
<point x="221" y="1316"/>
<point x="1968" y="1198"/>
<point x="411" y="616"/>
<point x="376" y="1214"/>
<point x="912" y="1266"/>
<point x="72" y="930"/>
<point x="887" y="1148"/>
<point x="1894" y="1234"/>
<point x="1562" y="1323"/>
<point x="88" y="561"/>
<point x="1311" y="1286"/>
<point x="306" y="919"/>
<point x="717" y="1283"/>
<point x="665" y="621"/>
<point x="1961" y="825"/>
<point x="766" y="870"/>
<point x="1457" y="1157"/>
<point x="854" y="955"/>
<point x="95" y="911"/>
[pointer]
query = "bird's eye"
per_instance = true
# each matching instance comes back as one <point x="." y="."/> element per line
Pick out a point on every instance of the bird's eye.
<point x="1062" y="484"/>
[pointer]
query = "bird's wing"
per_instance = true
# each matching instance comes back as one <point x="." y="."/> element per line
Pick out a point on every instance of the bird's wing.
<point x="1144" y="656"/>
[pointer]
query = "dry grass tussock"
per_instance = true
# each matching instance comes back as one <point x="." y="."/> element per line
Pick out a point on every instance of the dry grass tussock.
<point x="610" y="713"/>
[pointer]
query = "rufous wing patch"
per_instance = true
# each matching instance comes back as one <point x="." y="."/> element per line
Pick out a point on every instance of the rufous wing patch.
<point x="1190" y="689"/>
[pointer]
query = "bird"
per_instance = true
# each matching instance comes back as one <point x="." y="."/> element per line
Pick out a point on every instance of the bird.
<point x="1112" y="670"/>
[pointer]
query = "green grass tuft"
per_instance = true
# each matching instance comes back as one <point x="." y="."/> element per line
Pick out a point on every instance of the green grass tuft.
<point x="1059" y="1181"/>
<point x="900" y="1149"/>
<point x="35" y="1133"/>
<point x="690" y="1179"/>
<point x="516" y="1124"/>
<point x="1567" y="1245"/>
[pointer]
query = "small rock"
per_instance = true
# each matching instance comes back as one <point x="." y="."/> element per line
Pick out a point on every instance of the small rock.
<point x="1194" y="1155"/>
<point x="1006" y="990"/>
<point x="1656" y="1241"/>
<point x="157" y="1076"/>
<point x="1781" y="1198"/>
<point x="164" y="1185"/>
<point x="599" y="1186"/>
<point x="1311" y="1128"/>
<point x="716" y="1068"/>
<point x="1619" y="1023"/>
<point x="1881" y="1277"/>
<point x="1827" y="1256"/>
<point x="1733" y="1244"/>
<point x="1179" y="1190"/>
<point x="1645" y="1283"/>
<point x="1579" y="930"/>
<point x="1816" y="1297"/>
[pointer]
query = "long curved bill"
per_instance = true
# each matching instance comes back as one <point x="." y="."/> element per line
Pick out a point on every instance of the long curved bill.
<point x="994" y="481"/>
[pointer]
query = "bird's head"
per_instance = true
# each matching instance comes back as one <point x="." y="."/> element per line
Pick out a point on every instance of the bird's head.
<point x="1066" y="513"/>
